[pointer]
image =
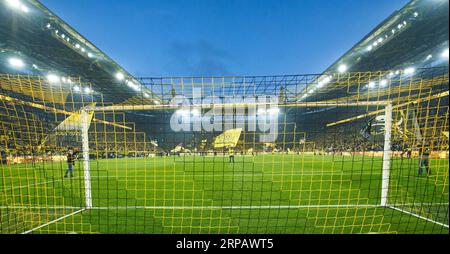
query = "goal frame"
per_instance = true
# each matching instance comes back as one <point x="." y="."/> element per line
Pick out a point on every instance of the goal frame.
<point x="387" y="152"/>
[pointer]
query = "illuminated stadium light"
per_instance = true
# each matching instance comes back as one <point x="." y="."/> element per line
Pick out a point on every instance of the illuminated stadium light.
<point x="391" y="74"/>
<point x="383" y="82"/>
<point x="146" y="95"/>
<point x="14" y="3"/>
<point x="76" y="89"/>
<point x="68" y="39"/>
<point x="63" y="36"/>
<point x="69" y="81"/>
<point x="380" y="40"/>
<point x="375" y="44"/>
<point x="52" y="78"/>
<point x="399" y="26"/>
<point x="416" y="14"/>
<point x="17" y="5"/>
<point x="445" y="53"/>
<point x="56" y="31"/>
<point x="393" y="31"/>
<point x="88" y="90"/>
<point x="83" y="50"/>
<point x="77" y="46"/>
<point x="120" y="76"/>
<point x="404" y="23"/>
<point x="16" y="62"/>
<point x="428" y="57"/>
<point x="132" y="85"/>
<point x="371" y="84"/>
<point x="90" y="55"/>
<point x="64" y="79"/>
<point x="342" y="68"/>
<point x="24" y="8"/>
<point x="35" y="66"/>
<point x="49" y="26"/>
<point x="409" y="70"/>
<point x="369" y="48"/>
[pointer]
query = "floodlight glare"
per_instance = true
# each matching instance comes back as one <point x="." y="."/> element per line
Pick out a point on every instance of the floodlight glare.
<point x="24" y="8"/>
<point x="16" y="62"/>
<point x="14" y="3"/>
<point x="409" y="70"/>
<point x="342" y="68"/>
<point x="369" y="48"/>
<point x="383" y="82"/>
<point x="327" y="79"/>
<point x="87" y="90"/>
<point x="444" y="54"/>
<point x="52" y="78"/>
<point x="429" y="57"/>
<point x="372" y="84"/>
<point x="120" y="76"/>
<point x="76" y="89"/>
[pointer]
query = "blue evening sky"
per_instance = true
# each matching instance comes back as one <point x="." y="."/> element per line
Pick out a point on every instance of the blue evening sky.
<point x="224" y="37"/>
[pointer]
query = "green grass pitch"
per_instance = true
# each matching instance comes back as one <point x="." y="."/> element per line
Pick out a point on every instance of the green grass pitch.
<point x="280" y="193"/>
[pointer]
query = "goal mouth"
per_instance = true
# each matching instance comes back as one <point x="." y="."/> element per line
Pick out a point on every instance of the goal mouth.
<point x="354" y="152"/>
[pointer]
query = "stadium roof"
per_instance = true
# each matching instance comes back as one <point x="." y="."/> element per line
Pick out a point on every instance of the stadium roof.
<point x="35" y="41"/>
<point x="409" y="39"/>
<point x="31" y="35"/>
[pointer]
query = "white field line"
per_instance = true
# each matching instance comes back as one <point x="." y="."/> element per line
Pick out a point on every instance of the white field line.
<point x="220" y="207"/>
<point x="418" y="216"/>
<point x="259" y="174"/>
<point x="31" y="185"/>
<point x="53" y="221"/>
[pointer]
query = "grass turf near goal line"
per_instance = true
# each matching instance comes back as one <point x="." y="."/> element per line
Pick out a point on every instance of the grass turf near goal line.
<point x="253" y="195"/>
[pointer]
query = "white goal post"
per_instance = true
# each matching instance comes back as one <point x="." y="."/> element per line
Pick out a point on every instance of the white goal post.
<point x="387" y="152"/>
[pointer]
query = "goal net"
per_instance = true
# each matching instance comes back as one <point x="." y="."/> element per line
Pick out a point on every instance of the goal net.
<point x="355" y="152"/>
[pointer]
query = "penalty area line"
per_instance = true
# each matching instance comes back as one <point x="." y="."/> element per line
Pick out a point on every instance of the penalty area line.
<point x="53" y="221"/>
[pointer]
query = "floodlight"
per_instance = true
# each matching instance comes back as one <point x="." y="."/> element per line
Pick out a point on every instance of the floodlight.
<point x="120" y="76"/>
<point x="444" y="54"/>
<point x="409" y="70"/>
<point x="52" y="78"/>
<point x="342" y="68"/>
<point x="16" y="62"/>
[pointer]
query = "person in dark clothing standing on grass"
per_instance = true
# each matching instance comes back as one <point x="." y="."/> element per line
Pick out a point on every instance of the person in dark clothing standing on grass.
<point x="70" y="162"/>
<point x="424" y="155"/>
